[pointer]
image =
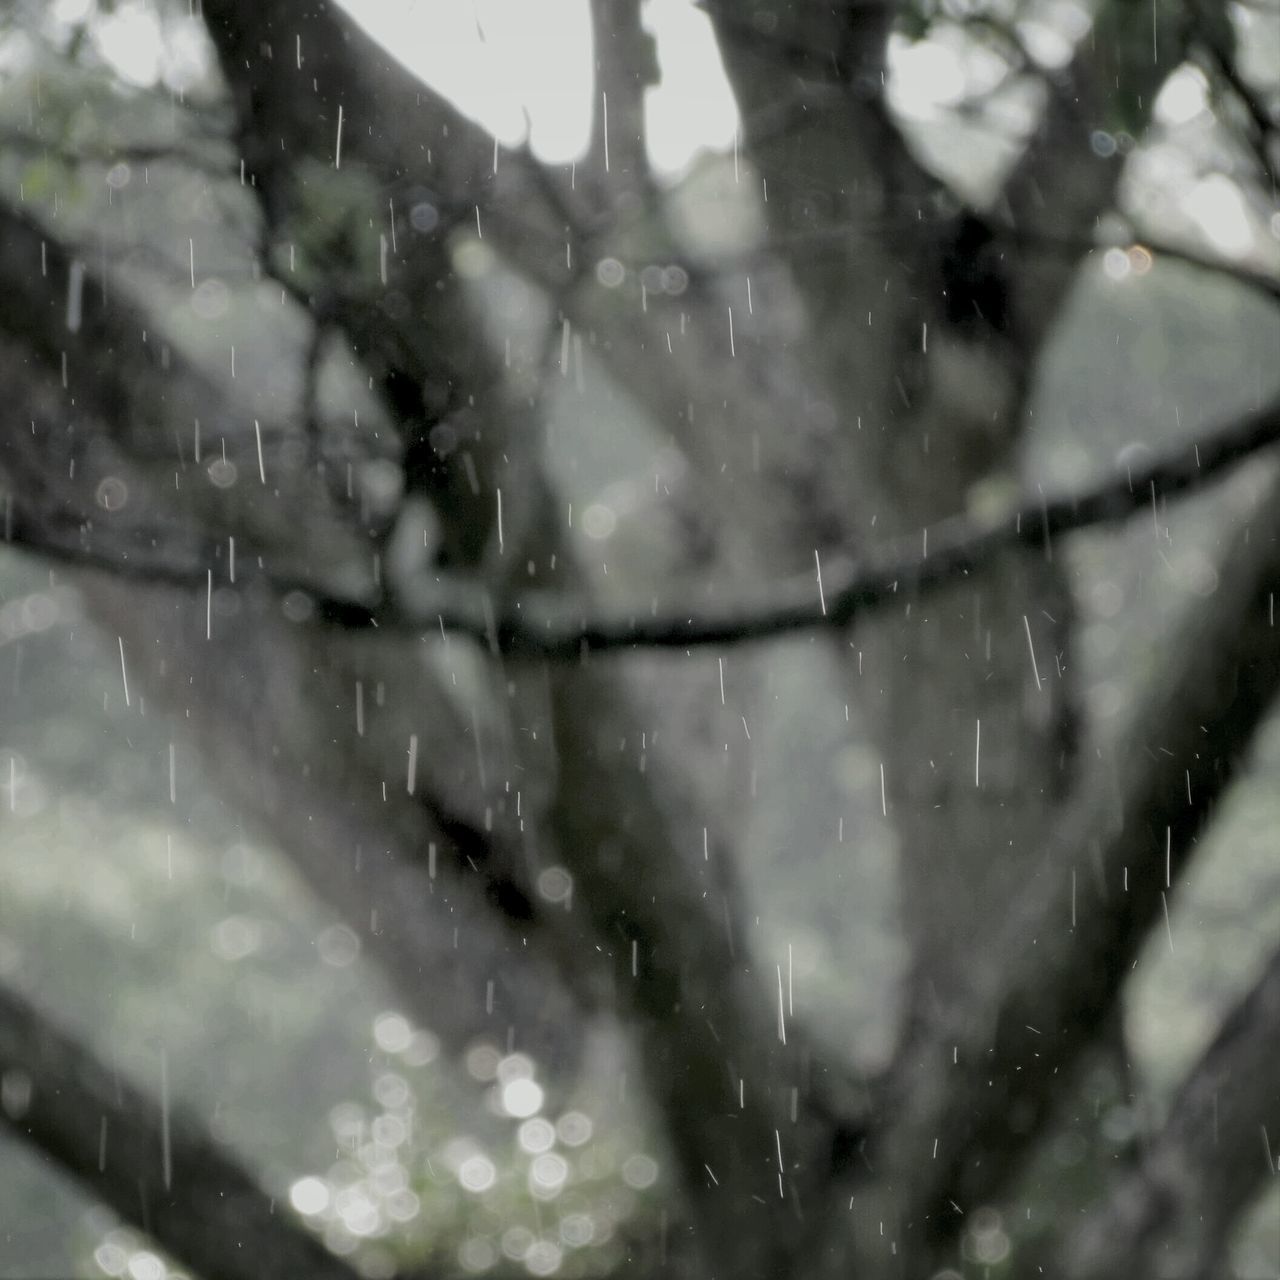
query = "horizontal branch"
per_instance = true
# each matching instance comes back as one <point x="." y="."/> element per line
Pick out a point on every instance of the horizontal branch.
<point x="1171" y="1213"/>
<point x="157" y="1167"/>
<point x="545" y="624"/>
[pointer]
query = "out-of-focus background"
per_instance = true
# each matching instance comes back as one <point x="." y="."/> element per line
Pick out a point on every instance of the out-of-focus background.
<point x="683" y="297"/>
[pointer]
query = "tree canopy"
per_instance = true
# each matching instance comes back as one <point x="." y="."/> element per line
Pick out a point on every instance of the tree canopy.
<point x="756" y="658"/>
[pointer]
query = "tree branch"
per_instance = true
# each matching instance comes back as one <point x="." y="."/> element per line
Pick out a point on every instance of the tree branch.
<point x="642" y="918"/>
<point x="91" y="335"/>
<point x="844" y="42"/>
<point x="157" y="1168"/>
<point x="432" y="363"/>
<point x="626" y="65"/>
<point x="847" y="589"/>
<point x="1048" y="978"/>
<point x="1170" y="1214"/>
<point x="1068" y="174"/>
<point x="375" y="869"/>
<point x="1214" y="34"/>
<point x="297" y="78"/>
<point x="545" y="624"/>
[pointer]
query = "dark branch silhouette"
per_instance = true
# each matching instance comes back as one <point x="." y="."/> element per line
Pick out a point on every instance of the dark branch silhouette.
<point x="659" y="933"/>
<point x="545" y="624"/>
<point x="158" y="1169"/>
<point x="1170" y="1214"/>
<point x="1110" y="868"/>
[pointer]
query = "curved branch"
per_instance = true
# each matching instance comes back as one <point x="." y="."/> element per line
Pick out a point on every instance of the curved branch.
<point x="404" y="905"/>
<point x="643" y="918"/>
<point x="842" y="590"/>
<point x="158" y="1168"/>
<point x="1170" y="1214"/>
<point x="1050" y="976"/>
<point x="544" y="624"/>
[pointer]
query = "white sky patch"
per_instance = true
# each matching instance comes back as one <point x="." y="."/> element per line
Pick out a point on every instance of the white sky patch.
<point x="693" y="108"/>
<point x="70" y="11"/>
<point x="137" y="45"/>
<point x="1052" y="34"/>
<point x="924" y="75"/>
<point x="187" y="54"/>
<point x="1047" y="45"/>
<point x="496" y="60"/>
<point x="1182" y="97"/>
<point x="1218" y="209"/>
<point x="928" y="77"/>
<point x="524" y="69"/>
<point x="132" y="41"/>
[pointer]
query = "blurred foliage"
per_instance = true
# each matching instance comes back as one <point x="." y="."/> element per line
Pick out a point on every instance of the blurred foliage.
<point x="174" y="934"/>
<point x="151" y="926"/>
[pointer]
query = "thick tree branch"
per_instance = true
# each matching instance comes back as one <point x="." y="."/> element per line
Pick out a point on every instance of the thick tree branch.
<point x="1046" y="979"/>
<point x="443" y="905"/>
<point x="328" y="119"/>
<point x="650" y="843"/>
<point x="642" y="914"/>
<point x="157" y="1168"/>
<point x="751" y="1108"/>
<point x="1068" y="174"/>
<point x="924" y="331"/>
<point x="1170" y="1214"/>
<point x="842" y="43"/>
<point x="626" y="65"/>
<point x="146" y="397"/>
<point x="434" y="363"/>
<point x="670" y="358"/>
<point x="328" y="753"/>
